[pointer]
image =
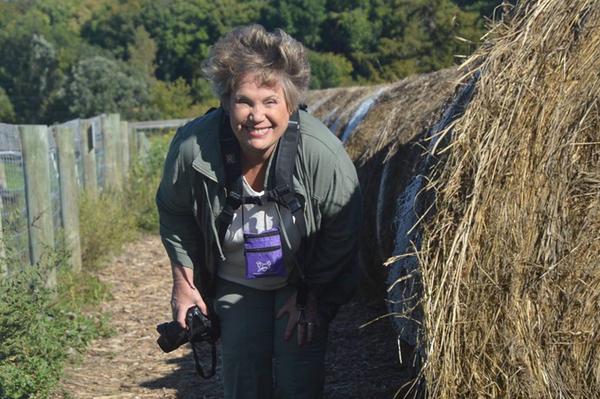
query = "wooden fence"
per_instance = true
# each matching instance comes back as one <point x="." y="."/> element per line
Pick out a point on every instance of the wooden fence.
<point x="44" y="168"/>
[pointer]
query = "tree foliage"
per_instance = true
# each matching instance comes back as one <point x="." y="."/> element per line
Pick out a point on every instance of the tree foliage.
<point x="329" y="70"/>
<point x="99" y="84"/>
<point x="7" y="112"/>
<point x="53" y="50"/>
<point x="302" y="19"/>
<point x="33" y="78"/>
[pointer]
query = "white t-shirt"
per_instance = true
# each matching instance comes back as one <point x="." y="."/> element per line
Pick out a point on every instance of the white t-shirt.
<point x="257" y="218"/>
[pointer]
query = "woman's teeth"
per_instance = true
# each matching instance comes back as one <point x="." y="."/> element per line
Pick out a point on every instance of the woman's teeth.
<point x="259" y="131"/>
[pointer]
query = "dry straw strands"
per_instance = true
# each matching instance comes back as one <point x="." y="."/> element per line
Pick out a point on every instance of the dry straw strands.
<point x="385" y="146"/>
<point x="511" y="260"/>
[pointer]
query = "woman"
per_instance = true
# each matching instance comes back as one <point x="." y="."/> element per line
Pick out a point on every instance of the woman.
<point x="264" y="240"/>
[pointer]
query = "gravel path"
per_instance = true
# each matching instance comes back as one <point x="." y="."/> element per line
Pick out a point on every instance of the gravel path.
<point x="361" y="362"/>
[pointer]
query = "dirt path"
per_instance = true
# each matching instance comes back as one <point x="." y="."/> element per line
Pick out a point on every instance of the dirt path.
<point x="361" y="363"/>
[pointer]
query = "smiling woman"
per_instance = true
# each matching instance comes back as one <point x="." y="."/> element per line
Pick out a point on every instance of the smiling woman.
<point x="259" y="115"/>
<point x="272" y="257"/>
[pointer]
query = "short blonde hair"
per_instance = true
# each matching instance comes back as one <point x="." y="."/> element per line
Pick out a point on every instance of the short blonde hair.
<point x="273" y="57"/>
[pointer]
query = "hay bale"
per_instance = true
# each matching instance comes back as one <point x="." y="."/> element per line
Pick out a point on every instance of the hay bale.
<point x="404" y="110"/>
<point x="385" y="146"/>
<point x="336" y="107"/>
<point x="510" y="260"/>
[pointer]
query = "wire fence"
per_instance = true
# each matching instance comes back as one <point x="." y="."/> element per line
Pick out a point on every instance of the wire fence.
<point x="42" y="170"/>
<point x="12" y="194"/>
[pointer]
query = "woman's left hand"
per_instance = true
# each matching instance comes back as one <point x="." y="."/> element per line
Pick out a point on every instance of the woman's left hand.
<point x="306" y="329"/>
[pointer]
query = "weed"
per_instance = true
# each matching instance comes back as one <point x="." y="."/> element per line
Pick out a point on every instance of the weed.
<point x="41" y="326"/>
<point x="106" y="224"/>
<point x="144" y="180"/>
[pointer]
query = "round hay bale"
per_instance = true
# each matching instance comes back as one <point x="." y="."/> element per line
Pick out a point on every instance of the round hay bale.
<point x="510" y="260"/>
<point x="389" y="134"/>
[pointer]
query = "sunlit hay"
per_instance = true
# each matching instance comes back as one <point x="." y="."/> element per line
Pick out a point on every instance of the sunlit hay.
<point x="327" y="104"/>
<point x="316" y="99"/>
<point x="386" y="146"/>
<point x="341" y="104"/>
<point x="388" y="140"/>
<point x="511" y="259"/>
<point x="402" y="112"/>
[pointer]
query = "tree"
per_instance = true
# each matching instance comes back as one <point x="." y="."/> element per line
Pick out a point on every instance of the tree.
<point x="350" y="31"/>
<point x="39" y="41"/>
<point x="329" y="70"/>
<point x="142" y="52"/>
<point x="31" y="75"/>
<point x="483" y="7"/>
<point x="184" y="31"/>
<point x="7" y="112"/>
<point x="113" y="26"/>
<point x="418" y="36"/>
<point x="101" y="85"/>
<point x="170" y="99"/>
<point x="301" y="19"/>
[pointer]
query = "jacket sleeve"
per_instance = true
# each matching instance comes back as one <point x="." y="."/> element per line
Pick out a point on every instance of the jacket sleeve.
<point x="175" y="202"/>
<point x="334" y="271"/>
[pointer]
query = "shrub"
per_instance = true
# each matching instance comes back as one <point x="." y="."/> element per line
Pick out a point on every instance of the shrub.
<point x="40" y="327"/>
<point x="170" y="99"/>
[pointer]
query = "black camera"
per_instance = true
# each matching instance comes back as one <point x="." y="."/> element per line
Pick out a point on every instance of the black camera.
<point x="199" y="329"/>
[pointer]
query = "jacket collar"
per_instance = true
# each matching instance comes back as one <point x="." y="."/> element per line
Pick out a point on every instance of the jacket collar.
<point x="209" y="160"/>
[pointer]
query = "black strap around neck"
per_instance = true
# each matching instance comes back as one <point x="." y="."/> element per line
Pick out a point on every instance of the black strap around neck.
<point x="283" y="188"/>
<point x="282" y="191"/>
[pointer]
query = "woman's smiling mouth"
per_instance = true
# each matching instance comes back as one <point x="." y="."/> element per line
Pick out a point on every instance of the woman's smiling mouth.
<point x="258" y="132"/>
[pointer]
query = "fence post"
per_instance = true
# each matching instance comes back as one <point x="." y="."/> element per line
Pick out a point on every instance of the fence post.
<point x="88" y="152"/>
<point x="65" y="138"/>
<point x="110" y="130"/>
<point x="36" y="160"/>
<point x="133" y="144"/>
<point x="124" y="146"/>
<point x="3" y="260"/>
<point x="143" y="144"/>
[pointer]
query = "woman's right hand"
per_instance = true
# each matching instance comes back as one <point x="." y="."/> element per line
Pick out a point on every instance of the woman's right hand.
<point x="184" y="294"/>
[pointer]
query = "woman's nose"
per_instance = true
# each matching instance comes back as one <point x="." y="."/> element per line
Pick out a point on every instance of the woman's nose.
<point x="257" y="114"/>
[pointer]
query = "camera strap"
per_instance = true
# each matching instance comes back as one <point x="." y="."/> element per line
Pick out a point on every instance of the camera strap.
<point x="199" y="369"/>
<point x="282" y="191"/>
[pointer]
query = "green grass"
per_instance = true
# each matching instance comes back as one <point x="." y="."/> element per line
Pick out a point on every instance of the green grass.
<point x="106" y="223"/>
<point x="144" y="180"/>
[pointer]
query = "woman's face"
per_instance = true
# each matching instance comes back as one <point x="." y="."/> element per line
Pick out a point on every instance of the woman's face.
<point x="259" y="116"/>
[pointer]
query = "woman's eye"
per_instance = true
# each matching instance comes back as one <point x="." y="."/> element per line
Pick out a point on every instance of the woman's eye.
<point x="243" y="102"/>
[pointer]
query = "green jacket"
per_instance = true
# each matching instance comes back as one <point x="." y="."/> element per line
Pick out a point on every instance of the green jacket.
<point x="192" y="193"/>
